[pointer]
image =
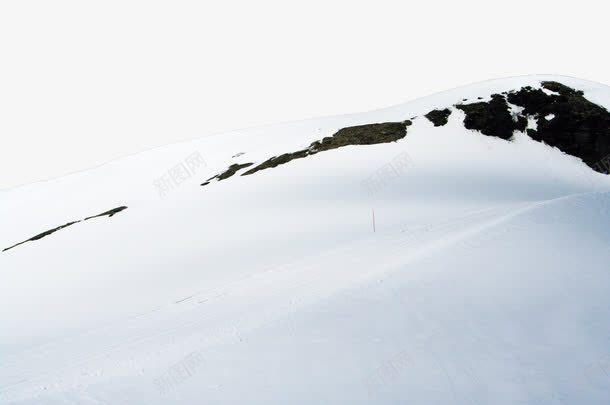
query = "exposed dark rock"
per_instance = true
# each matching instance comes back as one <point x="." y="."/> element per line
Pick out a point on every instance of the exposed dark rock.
<point x="567" y="120"/>
<point x="491" y="118"/>
<point x="234" y="168"/>
<point x="109" y="214"/>
<point x="439" y="117"/>
<point x="532" y="100"/>
<point x="42" y="235"/>
<point x="520" y="123"/>
<point x="562" y="89"/>
<point x="278" y="160"/>
<point x="369" y="134"/>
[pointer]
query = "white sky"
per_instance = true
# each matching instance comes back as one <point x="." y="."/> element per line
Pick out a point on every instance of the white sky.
<point x="82" y="83"/>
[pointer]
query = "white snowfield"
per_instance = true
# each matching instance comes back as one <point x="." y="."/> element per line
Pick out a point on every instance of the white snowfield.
<point x="486" y="281"/>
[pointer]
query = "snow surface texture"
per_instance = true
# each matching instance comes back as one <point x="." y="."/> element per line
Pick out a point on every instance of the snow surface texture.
<point x="487" y="279"/>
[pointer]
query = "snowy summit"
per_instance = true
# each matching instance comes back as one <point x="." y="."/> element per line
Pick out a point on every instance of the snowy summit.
<point x="451" y="250"/>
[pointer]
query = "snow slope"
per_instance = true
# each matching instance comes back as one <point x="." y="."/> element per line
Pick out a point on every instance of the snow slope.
<point x="486" y="280"/>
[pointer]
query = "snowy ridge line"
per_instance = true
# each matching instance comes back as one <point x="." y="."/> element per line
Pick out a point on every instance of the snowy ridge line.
<point x="505" y="114"/>
<point x="338" y="117"/>
<point x="596" y="164"/>
<point x="490" y="118"/>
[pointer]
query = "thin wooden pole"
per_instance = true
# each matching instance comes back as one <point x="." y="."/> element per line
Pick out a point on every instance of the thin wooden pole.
<point x="373" y="219"/>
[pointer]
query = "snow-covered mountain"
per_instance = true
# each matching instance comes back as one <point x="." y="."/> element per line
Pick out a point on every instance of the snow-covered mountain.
<point x="451" y="250"/>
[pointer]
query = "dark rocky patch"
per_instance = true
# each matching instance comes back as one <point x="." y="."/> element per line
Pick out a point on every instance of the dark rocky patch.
<point x="520" y="123"/>
<point x="369" y="134"/>
<point x="562" y="89"/>
<point x="278" y="160"/>
<point x="234" y="168"/>
<point x="491" y="118"/>
<point x="109" y="214"/>
<point x="575" y="126"/>
<point x="579" y="127"/>
<point x="42" y="235"/>
<point x="438" y="117"/>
